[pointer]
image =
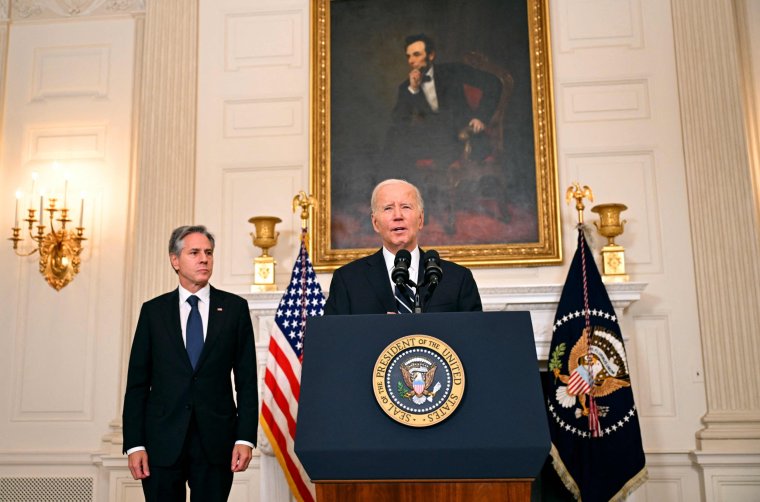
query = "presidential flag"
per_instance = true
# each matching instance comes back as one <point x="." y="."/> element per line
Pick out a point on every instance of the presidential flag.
<point x="593" y="420"/>
<point x="282" y="379"/>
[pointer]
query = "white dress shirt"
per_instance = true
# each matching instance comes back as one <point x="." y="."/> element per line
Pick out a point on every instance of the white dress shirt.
<point x="204" y="295"/>
<point x="428" y="88"/>
<point x="390" y="258"/>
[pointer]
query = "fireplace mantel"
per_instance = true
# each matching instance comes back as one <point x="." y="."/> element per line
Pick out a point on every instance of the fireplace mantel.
<point x="541" y="300"/>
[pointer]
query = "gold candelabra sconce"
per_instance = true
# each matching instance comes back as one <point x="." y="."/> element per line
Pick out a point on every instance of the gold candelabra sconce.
<point x="613" y="255"/>
<point x="265" y="237"/>
<point x="59" y="247"/>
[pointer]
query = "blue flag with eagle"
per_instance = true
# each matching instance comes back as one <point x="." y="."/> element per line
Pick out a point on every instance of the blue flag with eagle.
<point x="593" y="420"/>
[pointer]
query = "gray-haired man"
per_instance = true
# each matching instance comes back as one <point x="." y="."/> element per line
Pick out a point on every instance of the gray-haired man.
<point x="181" y="420"/>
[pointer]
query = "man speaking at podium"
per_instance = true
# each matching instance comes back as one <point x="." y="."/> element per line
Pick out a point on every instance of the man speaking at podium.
<point x="367" y="285"/>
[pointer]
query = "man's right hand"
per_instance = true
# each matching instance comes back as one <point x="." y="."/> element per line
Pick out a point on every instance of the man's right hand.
<point x="138" y="464"/>
<point x="415" y="80"/>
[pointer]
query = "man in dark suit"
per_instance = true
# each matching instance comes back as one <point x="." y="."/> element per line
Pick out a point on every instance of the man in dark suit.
<point x="432" y="110"/>
<point x="181" y="423"/>
<point x="364" y="286"/>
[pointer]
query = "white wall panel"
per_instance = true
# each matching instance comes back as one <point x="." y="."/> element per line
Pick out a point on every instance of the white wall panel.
<point x="655" y="385"/>
<point x="278" y="116"/>
<point x="67" y="111"/>
<point x="672" y="478"/>
<point x="61" y="72"/>
<point x="257" y="191"/>
<point x="663" y="489"/>
<point x="628" y="178"/>
<point x="733" y="478"/>
<point x="265" y="38"/>
<point x="65" y="142"/>
<point x="600" y="23"/>
<point x="602" y="101"/>
<point x="54" y="365"/>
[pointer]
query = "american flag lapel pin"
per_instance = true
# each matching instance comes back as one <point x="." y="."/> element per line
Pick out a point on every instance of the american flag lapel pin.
<point x="219" y="309"/>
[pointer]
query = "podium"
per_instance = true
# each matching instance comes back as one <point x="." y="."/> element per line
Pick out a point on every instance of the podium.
<point x="489" y="448"/>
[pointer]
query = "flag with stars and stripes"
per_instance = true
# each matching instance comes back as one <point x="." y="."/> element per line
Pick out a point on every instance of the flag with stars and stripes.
<point x="593" y="420"/>
<point x="282" y="379"/>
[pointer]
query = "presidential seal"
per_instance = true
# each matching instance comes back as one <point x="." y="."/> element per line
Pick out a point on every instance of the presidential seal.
<point x="418" y="380"/>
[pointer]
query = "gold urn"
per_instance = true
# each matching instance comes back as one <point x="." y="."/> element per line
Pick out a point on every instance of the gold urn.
<point x="265" y="237"/>
<point x="610" y="226"/>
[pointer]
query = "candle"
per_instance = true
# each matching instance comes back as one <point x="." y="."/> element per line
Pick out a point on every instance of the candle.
<point x="41" y="214"/>
<point x="18" y="196"/>
<point x="31" y="194"/>
<point x="65" y="191"/>
<point x="81" y="212"/>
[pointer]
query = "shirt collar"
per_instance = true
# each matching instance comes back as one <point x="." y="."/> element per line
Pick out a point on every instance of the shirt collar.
<point x="390" y="258"/>
<point x="203" y="294"/>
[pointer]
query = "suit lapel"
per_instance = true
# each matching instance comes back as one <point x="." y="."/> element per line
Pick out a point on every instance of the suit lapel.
<point x="420" y="266"/>
<point x="215" y="322"/>
<point x="424" y="293"/>
<point x="174" y="326"/>
<point x="378" y="278"/>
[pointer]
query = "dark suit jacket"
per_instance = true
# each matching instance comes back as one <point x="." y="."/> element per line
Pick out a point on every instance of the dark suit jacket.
<point x="450" y="80"/>
<point x="419" y="133"/>
<point x="163" y="391"/>
<point x="363" y="287"/>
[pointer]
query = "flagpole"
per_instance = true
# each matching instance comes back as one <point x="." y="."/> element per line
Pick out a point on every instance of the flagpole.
<point x="578" y="192"/>
<point x="302" y="299"/>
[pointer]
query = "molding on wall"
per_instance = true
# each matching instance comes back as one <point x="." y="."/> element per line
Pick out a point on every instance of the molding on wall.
<point x="35" y="10"/>
<point x="726" y="235"/>
<point x="519" y="297"/>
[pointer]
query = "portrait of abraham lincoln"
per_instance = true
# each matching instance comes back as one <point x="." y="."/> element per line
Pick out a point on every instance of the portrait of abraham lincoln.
<point x="439" y="93"/>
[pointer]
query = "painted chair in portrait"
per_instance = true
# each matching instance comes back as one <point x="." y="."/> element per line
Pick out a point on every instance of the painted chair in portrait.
<point x="477" y="180"/>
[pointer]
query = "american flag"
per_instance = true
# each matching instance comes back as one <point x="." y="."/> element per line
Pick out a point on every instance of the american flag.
<point x="282" y="379"/>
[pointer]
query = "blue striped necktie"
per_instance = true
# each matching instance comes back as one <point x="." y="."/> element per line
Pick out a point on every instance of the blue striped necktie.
<point x="194" y="331"/>
<point x="404" y="299"/>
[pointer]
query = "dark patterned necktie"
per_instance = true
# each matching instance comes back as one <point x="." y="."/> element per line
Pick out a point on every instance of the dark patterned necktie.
<point x="194" y="331"/>
<point x="404" y="299"/>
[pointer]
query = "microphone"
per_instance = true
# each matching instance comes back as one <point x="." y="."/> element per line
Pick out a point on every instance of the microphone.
<point x="400" y="272"/>
<point x="433" y="271"/>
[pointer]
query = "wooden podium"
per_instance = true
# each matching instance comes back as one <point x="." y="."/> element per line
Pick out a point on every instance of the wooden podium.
<point x="490" y="448"/>
<point x="462" y="490"/>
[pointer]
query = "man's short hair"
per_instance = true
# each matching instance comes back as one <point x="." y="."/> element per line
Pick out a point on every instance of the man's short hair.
<point x="421" y="37"/>
<point x="391" y="181"/>
<point x="177" y="240"/>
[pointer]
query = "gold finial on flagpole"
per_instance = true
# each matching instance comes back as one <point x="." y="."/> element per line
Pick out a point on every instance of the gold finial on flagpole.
<point x="305" y="202"/>
<point x="575" y="191"/>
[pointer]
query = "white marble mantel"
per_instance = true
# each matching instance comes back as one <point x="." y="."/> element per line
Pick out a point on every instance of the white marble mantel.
<point x="540" y="299"/>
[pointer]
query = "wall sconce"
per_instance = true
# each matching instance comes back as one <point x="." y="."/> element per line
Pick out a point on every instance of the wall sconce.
<point x="59" y="248"/>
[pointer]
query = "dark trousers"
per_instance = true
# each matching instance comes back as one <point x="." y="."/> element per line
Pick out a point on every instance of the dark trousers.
<point x="208" y="482"/>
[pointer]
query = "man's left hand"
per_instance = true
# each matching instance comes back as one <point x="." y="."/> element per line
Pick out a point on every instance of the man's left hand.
<point x="477" y="126"/>
<point x="241" y="457"/>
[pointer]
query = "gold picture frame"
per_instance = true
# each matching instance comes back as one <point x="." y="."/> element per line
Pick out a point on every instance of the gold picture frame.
<point x="525" y="223"/>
